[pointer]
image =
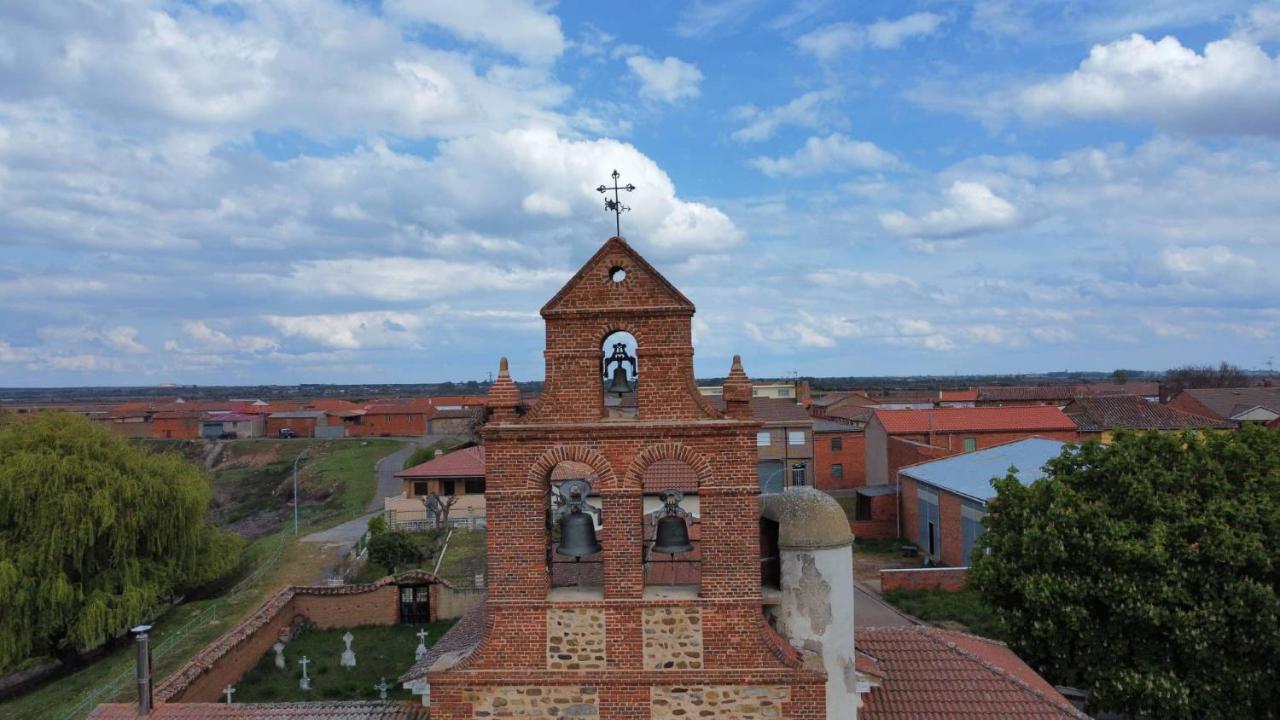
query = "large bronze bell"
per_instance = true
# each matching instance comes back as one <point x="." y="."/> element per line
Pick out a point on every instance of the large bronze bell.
<point x="672" y="535"/>
<point x="577" y="534"/>
<point x="619" y="385"/>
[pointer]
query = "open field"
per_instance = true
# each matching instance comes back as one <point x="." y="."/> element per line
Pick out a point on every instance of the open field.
<point x="336" y="484"/>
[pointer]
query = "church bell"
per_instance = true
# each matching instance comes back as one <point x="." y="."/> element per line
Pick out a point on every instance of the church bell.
<point x="619" y="385"/>
<point x="577" y="528"/>
<point x="672" y="533"/>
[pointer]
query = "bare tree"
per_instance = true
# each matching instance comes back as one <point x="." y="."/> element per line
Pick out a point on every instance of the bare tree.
<point x="1204" y="376"/>
<point x="438" y="508"/>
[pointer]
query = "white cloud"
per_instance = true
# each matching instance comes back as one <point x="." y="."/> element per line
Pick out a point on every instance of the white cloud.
<point x="206" y="337"/>
<point x="834" y="153"/>
<point x="870" y="279"/>
<point x="398" y="279"/>
<point x="524" y="29"/>
<point x="669" y="79"/>
<point x="813" y="109"/>
<point x="124" y="339"/>
<point x="971" y="208"/>
<point x="121" y="338"/>
<point x="352" y="331"/>
<point x="1214" y="260"/>
<point x="703" y="17"/>
<point x="831" y="41"/>
<point x="1232" y="88"/>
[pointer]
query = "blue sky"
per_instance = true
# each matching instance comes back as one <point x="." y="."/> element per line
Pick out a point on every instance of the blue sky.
<point x="283" y="191"/>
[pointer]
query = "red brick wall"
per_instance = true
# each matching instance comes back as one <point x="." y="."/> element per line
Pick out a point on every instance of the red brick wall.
<point x="909" y="505"/>
<point x="950" y="534"/>
<point x="950" y="579"/>
<point x="852" y="457"/>
<point x="398" y="424"/>
<point x="904" y="450"/>
<point x="302" y="427"/>
<point x="185" y="428"/>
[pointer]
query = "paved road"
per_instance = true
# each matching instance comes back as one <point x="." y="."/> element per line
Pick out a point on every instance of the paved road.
<point x="870" y="611"/>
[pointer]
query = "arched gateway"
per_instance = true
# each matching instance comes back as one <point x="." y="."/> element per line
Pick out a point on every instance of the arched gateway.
<point x="622" y="649"/>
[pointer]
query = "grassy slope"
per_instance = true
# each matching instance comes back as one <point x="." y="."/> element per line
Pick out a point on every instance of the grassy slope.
<point x="345" y="471"/>
<point x="949" y="609"/>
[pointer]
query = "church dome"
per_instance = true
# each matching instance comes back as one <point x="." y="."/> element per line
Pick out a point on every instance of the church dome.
<point x="808" y="519"/>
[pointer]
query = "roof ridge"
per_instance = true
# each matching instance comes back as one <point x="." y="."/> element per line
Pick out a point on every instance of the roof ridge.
<point x="937" y="636"/>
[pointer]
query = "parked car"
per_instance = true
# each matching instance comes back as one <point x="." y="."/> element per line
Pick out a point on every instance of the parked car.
<point x="287" y="433"/>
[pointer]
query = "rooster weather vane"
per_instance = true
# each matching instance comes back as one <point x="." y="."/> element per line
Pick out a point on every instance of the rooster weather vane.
<point x="615" y="206"/>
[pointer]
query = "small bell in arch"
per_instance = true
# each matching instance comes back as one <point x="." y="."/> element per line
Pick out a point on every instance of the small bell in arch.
<point x="577" y="528"/>
<point x="619" y="385"/>
<point x="672" y="533"/>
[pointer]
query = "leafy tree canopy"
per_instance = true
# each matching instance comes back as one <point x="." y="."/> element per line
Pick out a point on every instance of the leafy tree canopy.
<point x="96" y="535"/>
<point x="1146" y="571"/>
<point x="396" y="550"/>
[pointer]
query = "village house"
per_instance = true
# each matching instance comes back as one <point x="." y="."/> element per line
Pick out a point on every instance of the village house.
<point x="942" y="502"/>
<point x="824" y="404"/>
<point x="839" y="455"/>
<point x="1060" y="395"/>
<point x="457" y="477"/>
<point x="784" y="445"/>
<point x="1098" y="417"/>
<point x="896" y="438"/>
<point x="232" y="425"/>
<point x="1257" y="405"/>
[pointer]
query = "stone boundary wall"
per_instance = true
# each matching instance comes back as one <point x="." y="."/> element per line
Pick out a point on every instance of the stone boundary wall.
<point x="949" y="579"/>
<point x="226" y="659"/>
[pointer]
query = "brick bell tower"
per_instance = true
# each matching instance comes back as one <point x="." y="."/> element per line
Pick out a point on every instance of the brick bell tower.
<point x="617" y="644"/>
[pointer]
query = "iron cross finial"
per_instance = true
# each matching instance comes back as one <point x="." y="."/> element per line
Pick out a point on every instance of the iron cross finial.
<point x="615" y="206"/>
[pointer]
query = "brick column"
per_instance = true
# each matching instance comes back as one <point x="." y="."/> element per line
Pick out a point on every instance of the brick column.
<point x="623" y="539"/>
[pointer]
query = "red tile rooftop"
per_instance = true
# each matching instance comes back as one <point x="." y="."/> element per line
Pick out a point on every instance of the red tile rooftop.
<point x="467" y="462"/>
<point x="1032" y="418"/>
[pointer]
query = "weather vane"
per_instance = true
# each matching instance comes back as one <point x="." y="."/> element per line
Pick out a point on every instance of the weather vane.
<point x="615" y="206"/>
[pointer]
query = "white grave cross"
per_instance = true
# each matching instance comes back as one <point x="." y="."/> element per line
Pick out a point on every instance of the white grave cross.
<point x="422" y="645"/>
<point x="381" y="687"/>
<point x="305" y="682"/>
<point x="229" y="691"/>
<point x="348" y="657"/>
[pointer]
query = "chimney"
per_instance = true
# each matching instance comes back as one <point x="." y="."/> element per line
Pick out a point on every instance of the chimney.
<point x="804" y="397"/>
<point x="144" y="669"/>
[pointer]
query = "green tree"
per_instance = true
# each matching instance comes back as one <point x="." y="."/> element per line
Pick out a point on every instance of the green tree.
<point x="396" y="550"/>
<point x="419" y="456"/>
<point x="96" y="535"/>
<point x="1146" y="571"/>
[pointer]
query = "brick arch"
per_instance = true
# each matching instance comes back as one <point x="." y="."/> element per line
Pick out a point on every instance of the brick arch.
<point x="651" y="454"/>
<point x="540" y="472"/>
<point x="606" y="329"/>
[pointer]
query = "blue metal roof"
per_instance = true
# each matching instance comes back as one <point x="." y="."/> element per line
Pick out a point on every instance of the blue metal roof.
<point x="970" y="474"/>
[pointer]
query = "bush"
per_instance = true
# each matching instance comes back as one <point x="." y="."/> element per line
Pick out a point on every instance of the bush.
<point x="419" y="456"/>
<point x="396" y="550"/>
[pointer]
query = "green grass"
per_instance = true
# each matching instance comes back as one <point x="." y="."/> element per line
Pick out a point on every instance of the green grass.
<point x="345" y="478"/>
<point x="963" y="607"/>
<point x="382" y="651"/>
<point x="887" y="546"/>
<point x="465" y="556"/>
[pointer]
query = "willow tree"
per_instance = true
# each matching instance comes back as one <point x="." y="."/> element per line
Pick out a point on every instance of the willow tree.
<point x="95" y="534"/>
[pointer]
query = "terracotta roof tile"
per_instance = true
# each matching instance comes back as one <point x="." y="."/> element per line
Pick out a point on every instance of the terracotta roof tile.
<point x="933" y="673"/>
<point x="1063" y="393"/>
<point x="378" y="710"/>
<point x="460" y="639"/>
<point x="1227" y="402"/>
<point x="1034" y="418"/>
<point x="769" y="410"/>
<point x="670" y="475"/>
<point x="1112" y="412"/>
<point x="467" y="462"/>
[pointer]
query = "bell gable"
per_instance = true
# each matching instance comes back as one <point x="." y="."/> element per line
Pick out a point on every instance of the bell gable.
<point x="617" y="278"/>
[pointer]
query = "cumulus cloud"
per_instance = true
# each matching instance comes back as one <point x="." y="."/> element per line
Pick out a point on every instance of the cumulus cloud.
<point x="524" y="29"/>
<point x="669" y="79"/>
<point x="871" y="279"/>
<point x="813" y="109"/>
<point x="834" y="153"/>
<point x="1232" y="88"/>
<point x="399" y="279"/>
<point x="352" y="331"/>
<point x="703" y="17"/>
<point x="971" y="208"/>
<point x="831" y="41"/>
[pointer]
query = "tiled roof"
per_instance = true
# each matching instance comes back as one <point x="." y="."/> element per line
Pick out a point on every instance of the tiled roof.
<point x="230" y="417"/>
<point x="991" y="419"/>
<point x="1063" y="393"/>
<point x="821" y="425"/>
<point x="769" y="410"/>
<point x="958" y="395"/>
<point x="467" y="462"/>
<point x="851" y="413"/>
<point x="392" y="409"/>
<point x="838" y="396"/>
<point x="332" y="404"/>
<point x="1227" y="402"/>
<point x="933" y="673"/>
<point x="457" y="642"/>
<point x="376" y="710"/>
<point x="670" y="475"/>
<point x="1111" y="412"/>
<point x="298" y="415"/>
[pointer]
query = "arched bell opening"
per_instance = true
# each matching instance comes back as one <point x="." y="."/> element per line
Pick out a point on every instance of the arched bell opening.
<point x="620" y="375"/>
<point x="672" y="526"/>
<point x="574" y="519"/>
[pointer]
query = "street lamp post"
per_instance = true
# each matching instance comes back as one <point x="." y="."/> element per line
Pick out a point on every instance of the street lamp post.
<point x="295" y="489"/>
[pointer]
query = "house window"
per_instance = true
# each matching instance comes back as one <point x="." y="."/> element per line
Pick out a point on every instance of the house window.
<point x="784" y="392"/>
<point x="762" y="439"/>
<point x="446" y="487"/>
<point x="795" y="437"/>
<point x="420" y="488"/>
<point x="474" y="487"/>
<point x="970" y="444"/>
<point x="798" y="474"/>
<point x="837" y="443"/>
<point x="837" y="471"/>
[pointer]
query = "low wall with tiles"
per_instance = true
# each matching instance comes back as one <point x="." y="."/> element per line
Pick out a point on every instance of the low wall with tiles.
<point x="225" y="660"/>
<point x="943" y="578"/>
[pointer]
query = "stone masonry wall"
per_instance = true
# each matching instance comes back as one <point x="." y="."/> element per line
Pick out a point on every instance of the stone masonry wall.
<point x="553" y="702"/>
<point x="718" y="702"/>
<point x="576" y="638"/>
<point x="672" y="638"/>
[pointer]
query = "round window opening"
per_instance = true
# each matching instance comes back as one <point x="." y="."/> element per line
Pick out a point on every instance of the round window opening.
<point x="617" y="274"/>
